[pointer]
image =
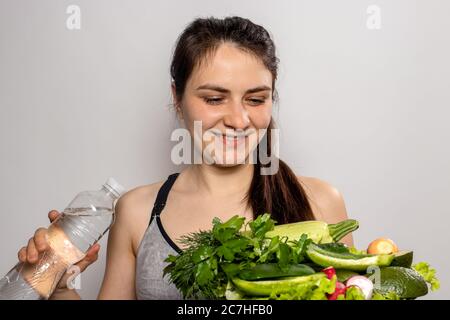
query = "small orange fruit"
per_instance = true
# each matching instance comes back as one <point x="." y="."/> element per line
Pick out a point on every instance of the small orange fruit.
<point x="382" y="246"/>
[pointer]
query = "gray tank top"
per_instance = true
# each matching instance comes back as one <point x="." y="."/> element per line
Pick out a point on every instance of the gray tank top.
<point x="155" y="246"/>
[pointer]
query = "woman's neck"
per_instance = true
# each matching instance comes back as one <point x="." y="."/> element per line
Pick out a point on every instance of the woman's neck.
<point x="221" y="181"/>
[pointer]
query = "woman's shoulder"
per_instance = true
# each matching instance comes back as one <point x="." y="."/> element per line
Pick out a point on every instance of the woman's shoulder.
<point x="138" y="202"/>
<point x="140" y="196"/>
<point x="319" y="187"/>
<point x="133" y="210"/>
<point x="326" y="200"/>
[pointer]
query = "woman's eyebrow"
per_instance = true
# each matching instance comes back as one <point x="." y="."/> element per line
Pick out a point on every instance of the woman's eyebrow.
<point x="224" y="90"/>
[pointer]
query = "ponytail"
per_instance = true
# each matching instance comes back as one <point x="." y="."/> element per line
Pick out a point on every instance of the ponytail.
<point x="280" y="194"/>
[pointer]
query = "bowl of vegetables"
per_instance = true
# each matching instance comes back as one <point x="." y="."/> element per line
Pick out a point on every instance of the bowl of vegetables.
<point x="297" y="261"/>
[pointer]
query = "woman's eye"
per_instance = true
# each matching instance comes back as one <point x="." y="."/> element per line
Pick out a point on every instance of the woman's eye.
<point x="218" y="100"/>
<point x="213" y="101"/>
<point x="256" y="102"/>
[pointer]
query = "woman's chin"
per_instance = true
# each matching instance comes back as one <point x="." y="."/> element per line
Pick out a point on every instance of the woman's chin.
<point x="230" y="161"/>
<point x="226" y="165"/>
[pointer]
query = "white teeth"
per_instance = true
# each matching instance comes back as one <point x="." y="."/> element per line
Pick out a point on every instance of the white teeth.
<point x="232" y="138"/>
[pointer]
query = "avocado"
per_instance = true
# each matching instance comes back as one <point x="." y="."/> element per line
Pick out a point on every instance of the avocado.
<point x="402" y="259"/>
<point x="406" y="283"/>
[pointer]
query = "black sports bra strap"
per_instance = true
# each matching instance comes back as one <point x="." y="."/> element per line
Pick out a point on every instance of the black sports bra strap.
<point x="163" y="192"/>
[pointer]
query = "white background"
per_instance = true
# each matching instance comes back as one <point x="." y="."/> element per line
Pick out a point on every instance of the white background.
<point x="365" y="110"/>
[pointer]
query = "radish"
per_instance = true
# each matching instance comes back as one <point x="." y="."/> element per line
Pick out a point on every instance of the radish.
<point x="363" y="283"/>
<point x="340" y="289"/>
<point x="330" y="272"/>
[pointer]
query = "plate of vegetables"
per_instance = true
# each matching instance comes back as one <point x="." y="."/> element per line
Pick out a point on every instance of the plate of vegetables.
<point x="297" y="261"/>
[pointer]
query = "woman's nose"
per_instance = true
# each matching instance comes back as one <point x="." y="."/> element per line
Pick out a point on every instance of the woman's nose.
<point x="237" y="116"/>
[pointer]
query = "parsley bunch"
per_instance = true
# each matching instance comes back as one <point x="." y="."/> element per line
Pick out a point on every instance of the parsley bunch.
<point x="212" y="257"/>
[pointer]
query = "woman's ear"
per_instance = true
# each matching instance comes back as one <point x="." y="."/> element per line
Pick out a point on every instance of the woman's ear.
<point x="174" y="91"/>
<point x="176" y="103"/>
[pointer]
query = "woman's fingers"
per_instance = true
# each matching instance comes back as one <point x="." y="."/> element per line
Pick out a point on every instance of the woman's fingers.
<point x="40" y="240"/>
<point x="32" y="254"/>
<point x="53" y="214"/>
<point x="93" y="251"/>
<point x="22" y="254"/>
<point x="38" y="243"/>
<point x="35" y="246"/>
<point x="91" y="257"/>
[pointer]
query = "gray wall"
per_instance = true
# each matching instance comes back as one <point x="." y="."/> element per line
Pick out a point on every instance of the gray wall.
<point x="365" y="110"/>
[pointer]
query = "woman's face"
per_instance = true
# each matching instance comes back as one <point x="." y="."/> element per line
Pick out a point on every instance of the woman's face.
<point x="231" y="94"/>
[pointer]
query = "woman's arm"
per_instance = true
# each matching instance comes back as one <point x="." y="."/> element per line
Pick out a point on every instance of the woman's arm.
<point x="327" y="203"/>
<point x="119" y="279"/>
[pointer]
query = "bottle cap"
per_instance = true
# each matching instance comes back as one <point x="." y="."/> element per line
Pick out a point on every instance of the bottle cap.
<point x="114" y="186"/>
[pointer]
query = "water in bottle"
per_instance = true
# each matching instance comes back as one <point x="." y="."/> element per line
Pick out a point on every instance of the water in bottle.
<point x="85" y="220"/>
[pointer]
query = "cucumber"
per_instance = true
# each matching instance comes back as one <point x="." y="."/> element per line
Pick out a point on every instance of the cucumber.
<point x="273" y="270"/>
<point x="335" y="247"/>
<point x="268" y="287"/>
<point x="348" y="261"/>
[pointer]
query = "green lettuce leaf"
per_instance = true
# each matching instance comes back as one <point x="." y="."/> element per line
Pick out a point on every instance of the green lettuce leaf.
<point x="428" y="273"/>
<point x="388" y="296"/>
<point x="317" y="290"/>
<point x="354" y="293"/>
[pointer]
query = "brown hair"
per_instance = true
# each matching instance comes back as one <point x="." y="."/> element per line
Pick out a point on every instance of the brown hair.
<point x="280" y="194"/>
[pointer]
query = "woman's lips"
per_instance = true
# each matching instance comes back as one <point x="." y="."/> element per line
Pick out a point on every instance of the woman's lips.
<point x="232" y="141"/>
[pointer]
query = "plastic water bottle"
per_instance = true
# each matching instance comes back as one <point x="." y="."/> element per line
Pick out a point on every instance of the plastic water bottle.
<point x="85" y="220"/>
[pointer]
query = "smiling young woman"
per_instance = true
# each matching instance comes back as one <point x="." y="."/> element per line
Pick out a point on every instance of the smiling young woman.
<point x="223" y="74"/>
